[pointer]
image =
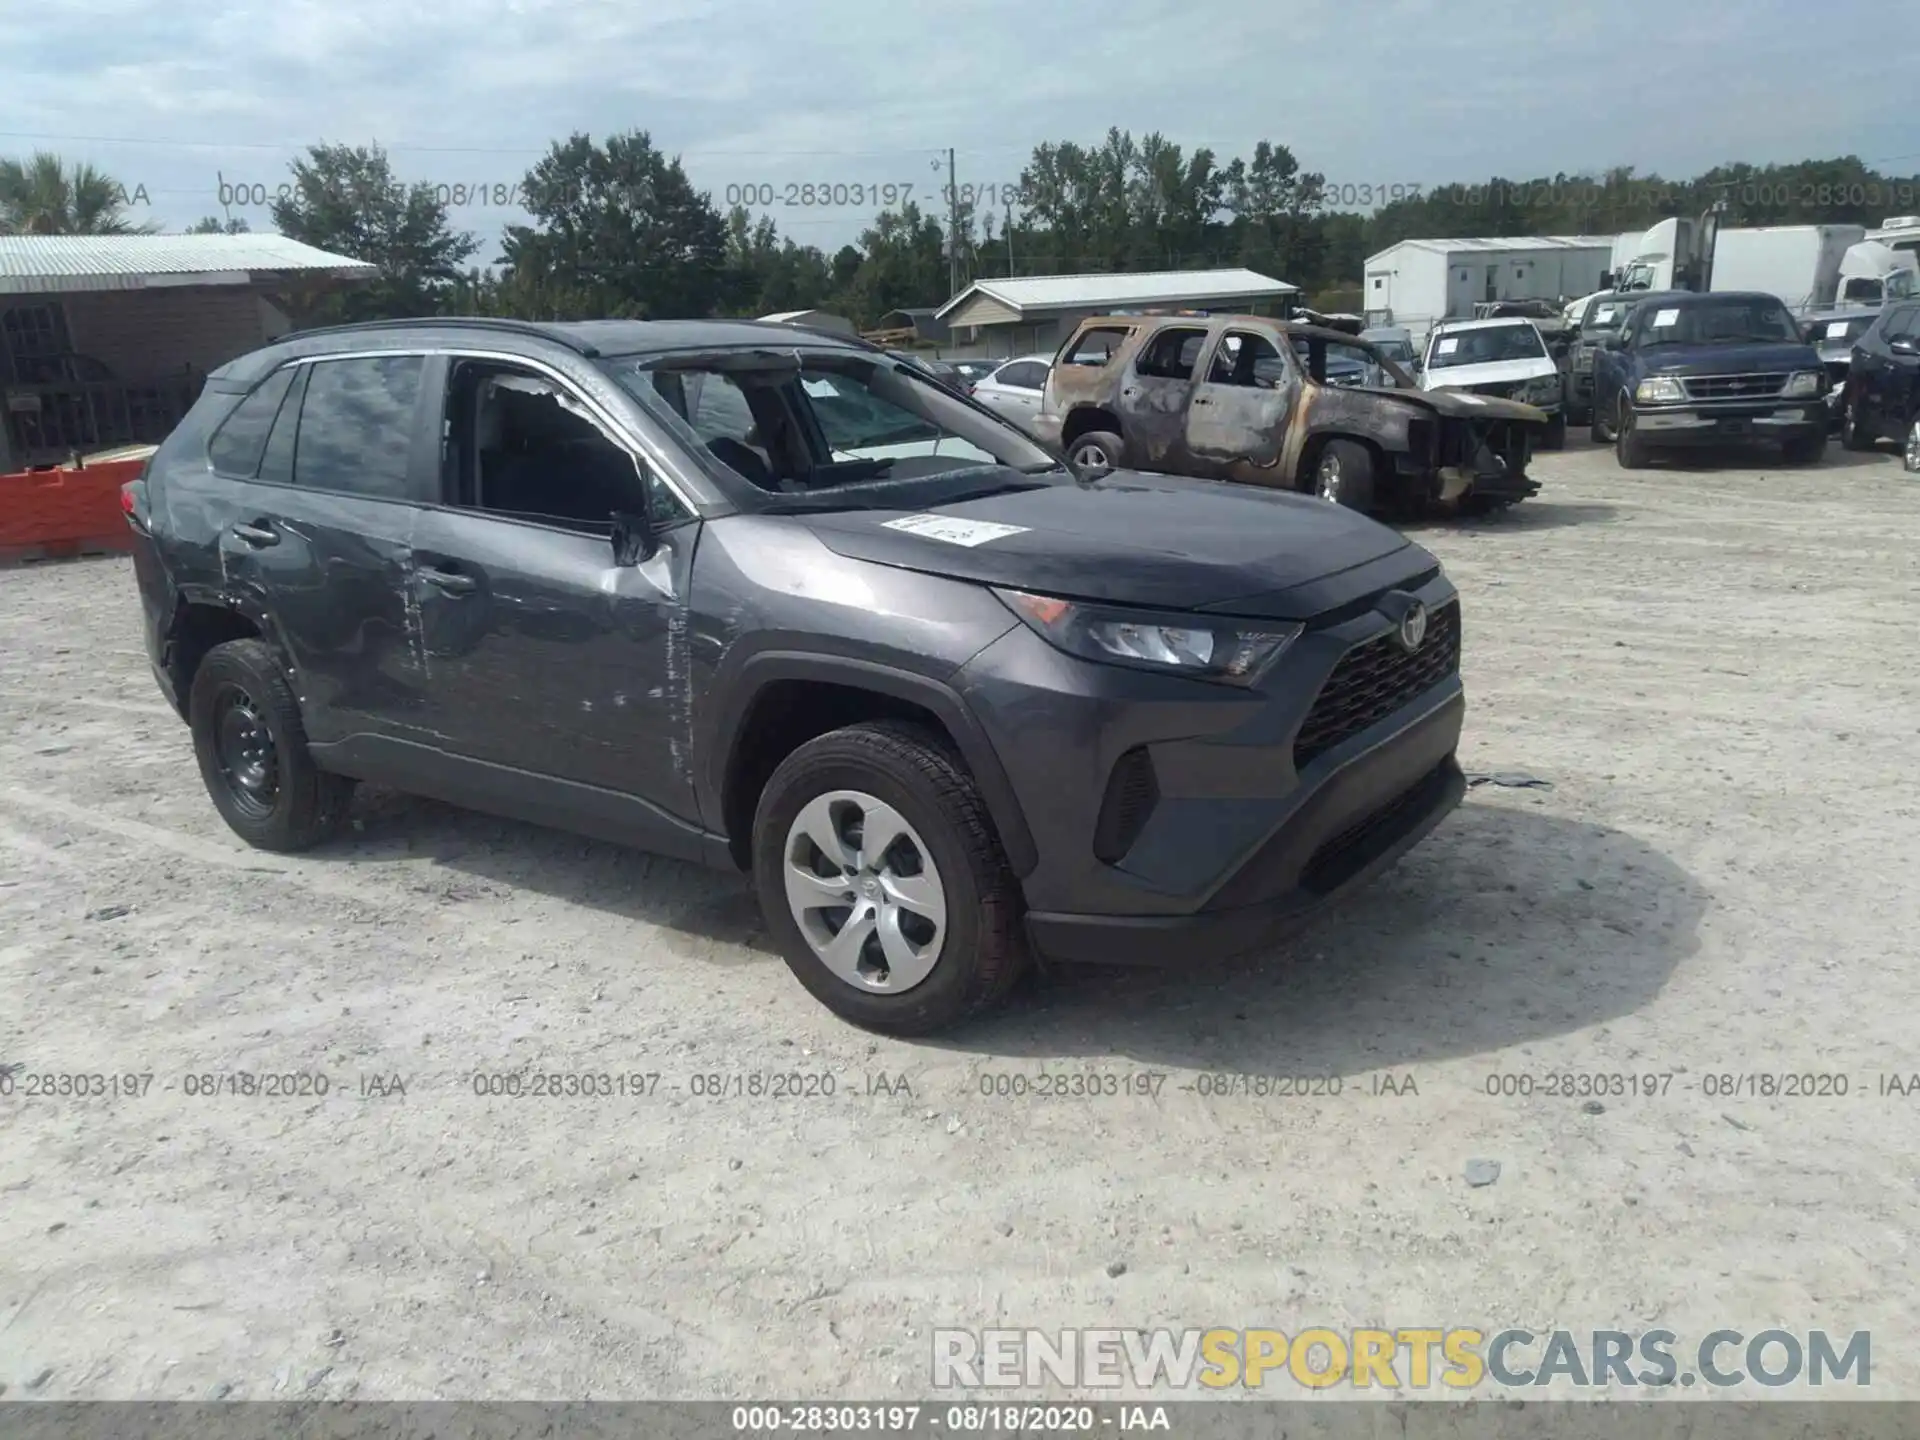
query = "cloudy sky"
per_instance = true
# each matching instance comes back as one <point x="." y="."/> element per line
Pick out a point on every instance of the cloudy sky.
<point x="178" y="95"/>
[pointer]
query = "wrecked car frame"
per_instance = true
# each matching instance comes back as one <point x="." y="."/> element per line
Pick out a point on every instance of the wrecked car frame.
<point x="1248" y="399"/>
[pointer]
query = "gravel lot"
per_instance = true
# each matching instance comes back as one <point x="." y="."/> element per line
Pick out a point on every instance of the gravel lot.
<point x="1705" y="665"/>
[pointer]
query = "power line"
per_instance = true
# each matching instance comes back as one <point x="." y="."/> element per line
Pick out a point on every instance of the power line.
<point x="161" y="142"/>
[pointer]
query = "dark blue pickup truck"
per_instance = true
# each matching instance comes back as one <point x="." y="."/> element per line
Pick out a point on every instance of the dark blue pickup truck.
<point x="1709" y="370"/>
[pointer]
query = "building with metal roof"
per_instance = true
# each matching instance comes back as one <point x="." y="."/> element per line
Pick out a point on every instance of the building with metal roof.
<point x="52" y="264"/>
<point x="105" y="340"/>
<point x="813" y="319"/>
<point x="1029" y="313"/>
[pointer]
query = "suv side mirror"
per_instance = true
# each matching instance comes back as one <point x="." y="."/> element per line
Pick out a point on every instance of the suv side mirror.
<point x="1905" y="345"/>
<point x="633" y="537"/>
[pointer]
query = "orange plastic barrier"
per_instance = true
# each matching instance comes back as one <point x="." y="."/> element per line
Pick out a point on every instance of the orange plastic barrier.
<point x="56" y="512"/>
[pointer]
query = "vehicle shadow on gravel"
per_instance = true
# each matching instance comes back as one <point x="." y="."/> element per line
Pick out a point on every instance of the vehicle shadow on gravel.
<point x="1506" y="926"/>
<point x="1527" y="515"/>
<point x="470" y="851"/>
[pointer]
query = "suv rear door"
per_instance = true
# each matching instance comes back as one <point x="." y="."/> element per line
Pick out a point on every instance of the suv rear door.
<point x="317" y="508"/>
<point x="547" y="661"/>
<point x="1153" y="397"/>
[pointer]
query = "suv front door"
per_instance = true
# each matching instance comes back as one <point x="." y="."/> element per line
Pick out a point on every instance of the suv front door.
<point x="316" y="521"/>
<point x="1888" y="361"/>
<point x="1237" y="419"/>
<point x="547" y="661"/>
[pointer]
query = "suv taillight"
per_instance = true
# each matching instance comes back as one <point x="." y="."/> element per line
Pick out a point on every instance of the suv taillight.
<point x="133" y="502"/>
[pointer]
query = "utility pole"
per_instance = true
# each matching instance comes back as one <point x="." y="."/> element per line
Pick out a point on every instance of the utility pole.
<point x="953" y="229"/>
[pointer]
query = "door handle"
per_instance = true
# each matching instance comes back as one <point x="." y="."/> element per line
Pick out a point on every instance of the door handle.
<point x="257" y="536"/>
<point x="449" y="581"/>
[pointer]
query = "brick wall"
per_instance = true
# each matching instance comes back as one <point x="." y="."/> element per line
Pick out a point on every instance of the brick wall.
<point x="157" y="334"/>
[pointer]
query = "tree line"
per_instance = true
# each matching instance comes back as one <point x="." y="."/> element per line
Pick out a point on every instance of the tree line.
<point x="617" y="228"/>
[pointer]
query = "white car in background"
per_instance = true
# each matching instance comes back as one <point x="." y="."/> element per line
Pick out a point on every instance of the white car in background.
<point x="1013" y="391"/>
<point x="1504" y="358"/>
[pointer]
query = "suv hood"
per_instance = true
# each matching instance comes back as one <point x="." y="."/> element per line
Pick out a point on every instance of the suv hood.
<point x="1460" y="404"/>
<point x="1490" y="372"/>
<point x="1730" y="359"/>
<point x="1156" y="542"/>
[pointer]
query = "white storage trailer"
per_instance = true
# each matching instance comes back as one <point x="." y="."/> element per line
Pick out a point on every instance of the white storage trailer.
<point x="1798" y="263"/>
<point x="1419" y="282"/>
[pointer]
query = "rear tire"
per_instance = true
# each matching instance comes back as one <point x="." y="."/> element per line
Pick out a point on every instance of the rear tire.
<point x="1095" y="453"/>
<point x="1629" y="446"/>
<point x="1343" y="475"/>
<point x="906" y="776"/>
<point x="252" y="749"/>
<point x="1806" y="451"/>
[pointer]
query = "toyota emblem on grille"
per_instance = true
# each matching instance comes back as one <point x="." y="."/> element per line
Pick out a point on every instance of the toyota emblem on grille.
<point x="1413" y="627"/>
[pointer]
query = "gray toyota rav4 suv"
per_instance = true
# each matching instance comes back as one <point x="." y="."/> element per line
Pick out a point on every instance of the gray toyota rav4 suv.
<point x="764" y="599"/>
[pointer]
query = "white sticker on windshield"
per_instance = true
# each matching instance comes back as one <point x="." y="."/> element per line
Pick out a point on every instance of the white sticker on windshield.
<point x="1447" y="347"/>
<point x="1663" y="318"/>
<point x="953" y="530"/>
<point x="1836" y="330"/>
<point x="1605" y="313"/>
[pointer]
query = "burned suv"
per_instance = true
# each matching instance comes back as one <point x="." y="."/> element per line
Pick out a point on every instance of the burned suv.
<point x="773" y="601"/>
<point x="1280" y="404"/>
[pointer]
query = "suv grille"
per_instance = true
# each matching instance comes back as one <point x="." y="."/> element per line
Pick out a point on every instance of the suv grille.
<point x="1374" y="679"/>
<point x="1733" y="387"/>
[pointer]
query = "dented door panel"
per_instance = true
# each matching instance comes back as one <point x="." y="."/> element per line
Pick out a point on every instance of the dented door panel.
<point x="333" y="582"/>
<point x="535" y="643"/>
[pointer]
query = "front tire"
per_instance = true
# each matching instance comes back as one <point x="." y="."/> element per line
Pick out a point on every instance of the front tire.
<point x="1629" y="446"/>
<point x="908" y="938"/>
<point x="1343" y="475"/>
<point x="252" y="749"/>
<point x="1910" y="457"/>
<point x="1556" y="436"/>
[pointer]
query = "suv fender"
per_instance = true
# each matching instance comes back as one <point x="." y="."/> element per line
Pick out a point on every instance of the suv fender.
<point x="1084" y="417"/>
<point x="183" y="647"/>
<point x="746" y="684"/>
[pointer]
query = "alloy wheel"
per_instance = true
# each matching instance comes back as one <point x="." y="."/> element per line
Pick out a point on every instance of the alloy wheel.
<point x="862" y="886"/>
<point x="1327" y="479"/>
<point x="1912" y="457"/>
<point x="1092" y="459"/>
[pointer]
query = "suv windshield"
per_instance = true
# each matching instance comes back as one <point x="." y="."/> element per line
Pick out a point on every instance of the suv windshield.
<point x="1731" y="321"/>
<point x="1494" y="343"/>
<point x="794" y="422"/>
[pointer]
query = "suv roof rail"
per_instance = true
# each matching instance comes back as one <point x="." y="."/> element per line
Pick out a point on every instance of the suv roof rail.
<point x="476" y="322"/>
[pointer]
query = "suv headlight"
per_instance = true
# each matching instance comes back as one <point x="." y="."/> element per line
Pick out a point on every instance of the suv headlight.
<point x="1803" y="383"/>
<point x="1542" y="390"/>
<point x="1659" y="390"/>
<point x="1232" y="651"/>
